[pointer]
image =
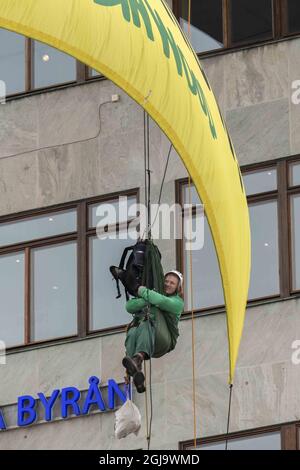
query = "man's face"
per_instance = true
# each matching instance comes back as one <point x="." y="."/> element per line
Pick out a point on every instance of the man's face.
<point x="171" y="284"/>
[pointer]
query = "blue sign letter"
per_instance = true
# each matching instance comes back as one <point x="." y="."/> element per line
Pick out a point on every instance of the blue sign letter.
<point x="65" y="401"/>
<point x="93" y="396"/>
<point x="26" y="409"/>
<point x="2" y="422"/>
<point x="113" y="388"/>
<point x="48" y="404"/>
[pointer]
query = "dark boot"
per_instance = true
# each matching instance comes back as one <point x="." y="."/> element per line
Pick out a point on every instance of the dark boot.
<point x="134" y="368"/>
<point x="133" y="364"/>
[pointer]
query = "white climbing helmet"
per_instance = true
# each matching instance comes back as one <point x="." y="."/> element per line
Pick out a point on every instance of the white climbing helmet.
<point x="178" y="274"/>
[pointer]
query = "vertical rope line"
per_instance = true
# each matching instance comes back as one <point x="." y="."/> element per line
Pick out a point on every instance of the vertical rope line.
<point x="146" y="403"/>
<point x="193" y="318"/>
<point x="228" y="417"/>
<point x="191" y="275"/>
<point x="145" y="164"/>
<point x="149" y="179"/>
<point x="189" y="18"/>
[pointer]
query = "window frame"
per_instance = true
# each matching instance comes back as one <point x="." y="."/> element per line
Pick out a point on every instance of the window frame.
<point x="283" y="195"/>
<point x="81" y="236"/>
<point x="83" y="74"/>
<point x="285" y="21"/>
<point x="291" y="191"/>
<point x="289" y="436"/>
<point x="90" y="233"/>
<point x="279" y="21"/>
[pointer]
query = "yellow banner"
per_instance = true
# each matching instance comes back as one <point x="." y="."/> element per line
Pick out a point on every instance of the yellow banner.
<point x="139" y="46"/>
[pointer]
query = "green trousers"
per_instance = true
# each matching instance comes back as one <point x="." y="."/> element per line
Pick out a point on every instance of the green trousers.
<point x="151" y="336"/>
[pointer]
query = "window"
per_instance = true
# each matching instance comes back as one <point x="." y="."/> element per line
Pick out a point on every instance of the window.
<point x="295" y="232"/>
<point x="262" y="181"/>
<point x="12" y="61"/>
<point x="219" y="24"/>
<point x="263" y="214"/>
<point x="294" y="209"/>
<point x="51" y="66"/>
<point x="42" y="226"/>
<point x="105" y="310"/>
<point x="12" y="314"/>
<point x="38" y="278"/>
<point x="264" y="279"/>
<point x="53" y="291"/>
<point x="273" y="194"/>
<point x="295" y="174"/>
<point x="270" y="441"/>
<point x="207" y="285"/>
<point x="26" y="64"/>
<point x="93" y="73"/>
<point x="251" y="21"/>
<point x="54" y="270"/>
<point x="278" y="437"/>
<point x="206" y="24"/>
<point x="291" y="11"/>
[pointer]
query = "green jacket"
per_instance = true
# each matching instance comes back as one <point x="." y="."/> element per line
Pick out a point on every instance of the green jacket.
<point x="171" y="307"/>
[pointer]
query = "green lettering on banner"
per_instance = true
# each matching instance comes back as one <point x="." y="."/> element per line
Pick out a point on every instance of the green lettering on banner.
<point x="137" y="10"/>
<point x="112" y="3"/>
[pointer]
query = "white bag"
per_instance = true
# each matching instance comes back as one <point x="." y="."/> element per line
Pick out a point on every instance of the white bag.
<point x="127" y="420"/>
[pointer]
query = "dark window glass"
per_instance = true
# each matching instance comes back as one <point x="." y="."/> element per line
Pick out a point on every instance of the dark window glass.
<point x="293" y="16"/>
<point x="12" y="62"/>
<point x="251" y="20"/>
<point x="206" y="24"/>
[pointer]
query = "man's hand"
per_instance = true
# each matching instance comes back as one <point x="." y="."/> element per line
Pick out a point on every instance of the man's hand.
<point x="140" y="287"/>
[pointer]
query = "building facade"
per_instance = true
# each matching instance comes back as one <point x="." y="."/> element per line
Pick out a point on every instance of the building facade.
<point x="68" y="146"/>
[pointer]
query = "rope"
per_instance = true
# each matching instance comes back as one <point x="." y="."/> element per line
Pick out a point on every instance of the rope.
<point x="193" y="322"/>
<point x="148" y="237"/>
<point x="151" y="404"/>
<point x="162" y="184"/>
<point x="146" y="402"/>
<point x="228" y="417"/>
<point x="145" y="159"/>
<point x="149" y="180"/>
<point x="189" y="18"/>
<point x="191" y="277"/>
<point x="191" y="293"/>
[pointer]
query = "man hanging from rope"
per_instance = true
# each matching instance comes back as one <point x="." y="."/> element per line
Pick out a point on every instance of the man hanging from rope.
<point x="154" y="329"/>
<point x="156" y="307"/>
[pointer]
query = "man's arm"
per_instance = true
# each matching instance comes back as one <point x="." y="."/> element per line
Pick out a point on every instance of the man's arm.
<point x="172" y="304"/>
<point x="135" y="304"/>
